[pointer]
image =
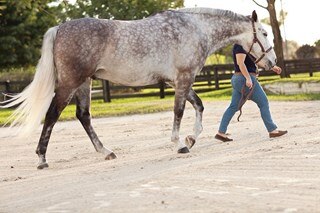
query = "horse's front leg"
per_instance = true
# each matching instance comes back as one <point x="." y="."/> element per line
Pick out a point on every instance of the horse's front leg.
<point x="182" y="87"/>
<point x="179" y="105"/>
<point x="196" y="102"/>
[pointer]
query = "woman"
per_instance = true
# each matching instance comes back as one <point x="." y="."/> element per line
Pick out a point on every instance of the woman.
<point x="245" y="74"/>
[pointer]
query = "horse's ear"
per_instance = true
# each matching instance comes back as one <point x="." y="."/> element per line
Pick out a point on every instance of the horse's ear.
<point x="254" y="16"/>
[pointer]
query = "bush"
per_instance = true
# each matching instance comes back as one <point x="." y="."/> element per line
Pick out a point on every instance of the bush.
<point x="17" y="73"/>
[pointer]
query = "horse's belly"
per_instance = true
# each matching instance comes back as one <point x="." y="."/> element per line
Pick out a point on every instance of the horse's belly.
<point x="127" y="78"/>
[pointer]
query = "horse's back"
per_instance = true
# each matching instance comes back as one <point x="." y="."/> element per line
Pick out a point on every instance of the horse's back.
<point x="153" y="46"/>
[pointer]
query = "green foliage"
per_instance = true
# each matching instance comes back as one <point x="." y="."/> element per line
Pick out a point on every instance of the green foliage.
<point x="115" y="9"/>
<point x="17" y="73"/>
<point x="222" y="56"/>
<point x="216" y="59"/>
<point x="317" y="45"/>
<point x="23" y="24"/>
<point x="2" y="6"/>
<point x="306" y="51"/>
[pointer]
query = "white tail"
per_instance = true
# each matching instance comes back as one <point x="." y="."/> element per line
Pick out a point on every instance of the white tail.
<point x="36" y="98"/>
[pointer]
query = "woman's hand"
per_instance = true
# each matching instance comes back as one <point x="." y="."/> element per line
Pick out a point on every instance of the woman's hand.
<point x="249" y="82"/>
<point x="276" y="69"/>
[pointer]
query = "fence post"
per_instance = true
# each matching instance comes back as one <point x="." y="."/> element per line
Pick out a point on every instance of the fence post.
<point x="162" y="87"/>
<point x="7" y="85"/>
<point x="106" y="91"/>
<point x="216" y="78"/>
<point x="310" y="68"/>
<point x="209" y="77"/>
<point x="7" y="89"/>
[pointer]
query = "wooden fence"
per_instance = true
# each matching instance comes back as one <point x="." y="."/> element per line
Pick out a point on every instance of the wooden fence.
<point x="213" y="76"/>
<point x="210" y="78"/>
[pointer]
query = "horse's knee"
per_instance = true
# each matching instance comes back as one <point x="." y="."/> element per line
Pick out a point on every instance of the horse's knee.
<point x="200" y="105"/>
<point x="201" y="108"/>
<point x="194" y="99"/>
<point x="179" y="112"/>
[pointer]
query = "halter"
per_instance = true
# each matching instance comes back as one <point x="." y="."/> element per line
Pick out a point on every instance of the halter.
<point x="256" y="40"/>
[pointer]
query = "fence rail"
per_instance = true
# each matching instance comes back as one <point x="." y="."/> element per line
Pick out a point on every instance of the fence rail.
<point x="212" y="77"/>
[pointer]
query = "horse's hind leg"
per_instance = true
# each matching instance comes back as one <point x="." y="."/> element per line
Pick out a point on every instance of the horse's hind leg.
<point x="58" y="103"/>
<point x="83" y="97"/>
<point x="196" y="102"/>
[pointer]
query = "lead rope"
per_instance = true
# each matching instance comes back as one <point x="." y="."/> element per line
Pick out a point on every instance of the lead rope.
<point x="244" y="98"/>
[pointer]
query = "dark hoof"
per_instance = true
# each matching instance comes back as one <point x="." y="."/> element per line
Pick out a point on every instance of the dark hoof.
<point x="42" y="166"/>
<point x="111" y="156"/>
<point x="183" y="150"/>
<point x="190" y="141"/>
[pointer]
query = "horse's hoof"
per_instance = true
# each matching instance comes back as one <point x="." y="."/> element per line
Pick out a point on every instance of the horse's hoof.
<point x="111" y="156"/>
<point x="42" y="166"/>
<point x="190" y="141"/>
<point x="183" y="150"/>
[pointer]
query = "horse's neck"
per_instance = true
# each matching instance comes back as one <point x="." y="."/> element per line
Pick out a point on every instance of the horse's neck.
<point x="222" y="31"/>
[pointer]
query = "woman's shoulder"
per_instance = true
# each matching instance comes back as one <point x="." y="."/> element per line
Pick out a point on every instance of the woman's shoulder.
<point x="237" y="48"/>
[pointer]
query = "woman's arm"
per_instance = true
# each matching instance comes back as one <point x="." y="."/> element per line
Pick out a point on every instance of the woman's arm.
<point x="240" y="57"/>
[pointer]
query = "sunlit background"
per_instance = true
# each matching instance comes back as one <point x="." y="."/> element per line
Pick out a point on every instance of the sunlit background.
<point x="300" y="23"/>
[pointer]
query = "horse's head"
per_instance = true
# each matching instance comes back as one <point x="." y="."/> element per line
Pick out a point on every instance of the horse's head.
<point x="257" y="44"/>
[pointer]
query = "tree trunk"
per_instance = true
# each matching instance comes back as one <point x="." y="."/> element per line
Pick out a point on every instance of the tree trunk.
<point x="277" y="38"/>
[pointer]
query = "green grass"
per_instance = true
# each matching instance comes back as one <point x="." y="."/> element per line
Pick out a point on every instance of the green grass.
<point x="128" y="106"/>
<point x="4" y="115"/>
<point x="295" y="78"/>
<point x="117" y="107"/>
<point x="298" y="97"/>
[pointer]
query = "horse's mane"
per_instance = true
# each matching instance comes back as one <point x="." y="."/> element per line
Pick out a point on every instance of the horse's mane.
<point x="215" y="12"/>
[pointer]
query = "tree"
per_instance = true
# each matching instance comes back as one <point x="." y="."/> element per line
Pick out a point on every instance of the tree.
<point x="282" y="16"/>
<point x="2" y="6"/>
<point x="115" y="9"/>
<point x="276" y="33"/>
<point x="306" y="52"/>
<point x="292" y="47"/>
<point x="23" y="24"/>
<point x="221" y="56"/>
<point x="317" y="45"/>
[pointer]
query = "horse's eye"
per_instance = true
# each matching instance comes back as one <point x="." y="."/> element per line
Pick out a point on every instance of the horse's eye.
<point x="265" y="34"/>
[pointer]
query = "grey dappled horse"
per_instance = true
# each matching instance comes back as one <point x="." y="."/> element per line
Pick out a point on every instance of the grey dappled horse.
<point x="170" y="46"/>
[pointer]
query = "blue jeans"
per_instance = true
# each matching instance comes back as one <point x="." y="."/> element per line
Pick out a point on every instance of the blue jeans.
<point x="258" y="96"/>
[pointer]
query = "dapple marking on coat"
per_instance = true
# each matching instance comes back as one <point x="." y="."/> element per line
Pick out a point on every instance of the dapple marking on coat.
<point x="170" y="46"/>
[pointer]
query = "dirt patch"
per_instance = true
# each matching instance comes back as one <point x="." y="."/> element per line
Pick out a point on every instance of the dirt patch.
<point x="252" y="174"/>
